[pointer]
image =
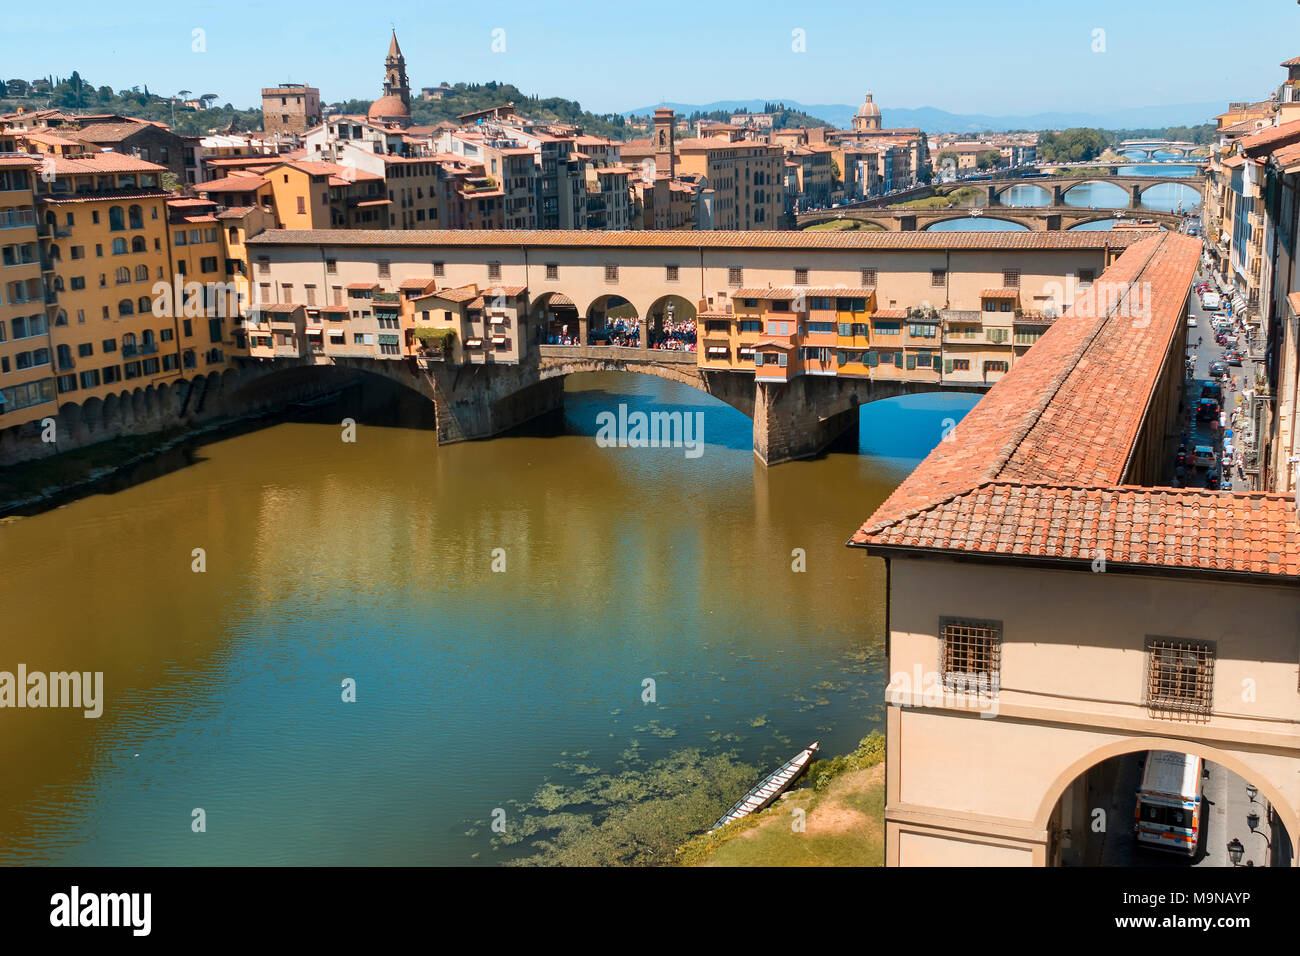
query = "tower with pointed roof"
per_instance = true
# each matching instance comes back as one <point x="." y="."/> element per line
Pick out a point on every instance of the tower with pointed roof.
<point x="395" y="104"/>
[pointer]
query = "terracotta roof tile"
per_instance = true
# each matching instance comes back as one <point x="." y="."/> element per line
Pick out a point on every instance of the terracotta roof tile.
<point x="691" y="239"/>
<point x="1041" y="464"/>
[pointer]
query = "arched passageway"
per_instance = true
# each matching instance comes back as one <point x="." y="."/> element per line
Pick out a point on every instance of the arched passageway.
<point x="556" y="319"/>
<point x="1158" y="806"/>
<point x="613" y="320"/>
<point x="670" y="324"/>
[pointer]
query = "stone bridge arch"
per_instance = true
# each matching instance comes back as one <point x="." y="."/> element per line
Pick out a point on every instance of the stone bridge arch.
<point x="1232" y="760"/>
<point x="1028" y="222"/>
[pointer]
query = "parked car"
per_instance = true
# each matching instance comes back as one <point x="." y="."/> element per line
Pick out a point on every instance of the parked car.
<point x="1191" y="321"/>
<point x="1218" y="370"/>
<point x="1232" y="358"/>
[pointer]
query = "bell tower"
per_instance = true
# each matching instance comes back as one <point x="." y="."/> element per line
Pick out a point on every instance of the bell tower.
<point x="395" y="82"/>
<point x="665" y="148"/>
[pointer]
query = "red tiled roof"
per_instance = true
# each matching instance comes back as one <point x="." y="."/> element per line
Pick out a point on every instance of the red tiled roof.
<point x="415" y="282"/>
<point x="1000" y="294"/>
<point x="1189" y="528"/>
<point x="1265" y="139"/>
<point x="100" y="163"/>
<point x="1050" y="444"/>
<point x="465" y="294"/>
<point x="238" y="184"/>
<point x="693" y="239"/>
<point x="363" y="285"/>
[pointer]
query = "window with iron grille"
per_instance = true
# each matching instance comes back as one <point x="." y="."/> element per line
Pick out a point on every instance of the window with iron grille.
<point x="263" y="264"/>
<point x="494" y="270"/>
<point x="552" y="270"/>
<point x="331" y="266"/>
<point x="671" y="273"/>
<point x="735" y="275"/>
<point x="972" y="654"/>
<point x="1011" y="278"/>
<point x="800" y="276"/>
<point x="868" y="278"/>
<point x="1180" y="679"/>
<point x="383" y="268"/>
<point x="611" y="272"/>
<point x="938" y="277"/>
<point x="439" y="269"/>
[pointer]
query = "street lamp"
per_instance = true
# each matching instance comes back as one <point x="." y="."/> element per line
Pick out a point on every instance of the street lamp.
<point x="1252" y="791"/>
<point x="1235" y="851"/>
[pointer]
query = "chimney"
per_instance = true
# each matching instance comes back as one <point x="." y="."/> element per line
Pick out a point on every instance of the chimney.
<point x="665" y="150"/>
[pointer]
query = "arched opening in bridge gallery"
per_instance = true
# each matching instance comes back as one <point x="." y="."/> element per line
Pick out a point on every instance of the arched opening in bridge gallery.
<point x="1168" y="808"/>
<point x="670" y="323"/>
<point x="556" y="319"/>
<point x="613" y="320"/>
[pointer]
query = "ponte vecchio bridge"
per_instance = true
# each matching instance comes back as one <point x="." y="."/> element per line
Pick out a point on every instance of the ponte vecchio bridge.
<point x="795" y="329"/>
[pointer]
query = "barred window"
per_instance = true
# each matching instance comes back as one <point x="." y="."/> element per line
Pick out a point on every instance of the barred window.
<point x="735" y="275"/>
<point x="552" y="270"/>
<point x="868" y="278"/>
<point x="494" y="270"/>
<point x="611" y="272"/>
<point x="439" y="268"/>
<point x="972" y="654"/>
<point x="1180" y="679"/>
<point x="938" y="277"/>
<point x="1011" y="278"/>
<point x="671" y="273"/>
<point x="383" y="268"/>
<point x="800" y="276"/>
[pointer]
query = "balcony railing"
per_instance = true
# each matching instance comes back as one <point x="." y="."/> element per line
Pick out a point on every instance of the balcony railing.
<point x="17" y="219"/>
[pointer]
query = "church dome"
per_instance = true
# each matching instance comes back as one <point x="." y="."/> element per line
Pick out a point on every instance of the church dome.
<point x="868" y="108"/>
<point x="388" y="108"/>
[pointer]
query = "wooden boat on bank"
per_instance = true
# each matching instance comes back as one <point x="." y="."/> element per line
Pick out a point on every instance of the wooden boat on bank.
<point x="769" y="788"/>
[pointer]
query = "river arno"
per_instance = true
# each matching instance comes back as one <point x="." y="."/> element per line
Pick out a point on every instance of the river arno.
<point x="476" y="690"/>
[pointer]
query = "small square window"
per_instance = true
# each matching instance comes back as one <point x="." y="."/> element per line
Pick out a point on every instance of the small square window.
<point x="972" y="655"/>
<point x="1180" y="679"/>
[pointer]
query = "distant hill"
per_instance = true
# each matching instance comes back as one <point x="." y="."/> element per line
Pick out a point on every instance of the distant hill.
<point x="933" y="120"/>
<point x="471" y="97"/>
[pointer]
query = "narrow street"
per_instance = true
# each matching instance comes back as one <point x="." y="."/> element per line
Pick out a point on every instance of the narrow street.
<point x="1206" y="353"/>
<point x="1225" y="806"/>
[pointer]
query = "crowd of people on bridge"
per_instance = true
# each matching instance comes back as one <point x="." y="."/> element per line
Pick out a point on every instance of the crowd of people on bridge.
<point x="674" y="336"/>
<point x="626" y="332"/>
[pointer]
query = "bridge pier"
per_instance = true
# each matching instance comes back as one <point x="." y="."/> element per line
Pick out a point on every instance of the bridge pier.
<point x="1135" y="196"/>
<point x="799" y="419"/>
<point x="480" y="401"/>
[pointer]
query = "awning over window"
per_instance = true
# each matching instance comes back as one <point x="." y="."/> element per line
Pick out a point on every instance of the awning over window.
<point x="746" y="351"/>
<point x="473" y="343"/>
<point x="315" y="333"/>
<point x="498" y="340"/>
<point x="718" y="350"/>
<point x="388" y="339"/>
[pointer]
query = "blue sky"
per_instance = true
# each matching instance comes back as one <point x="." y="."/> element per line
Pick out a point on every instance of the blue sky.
<point x="1009" y="57"/>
